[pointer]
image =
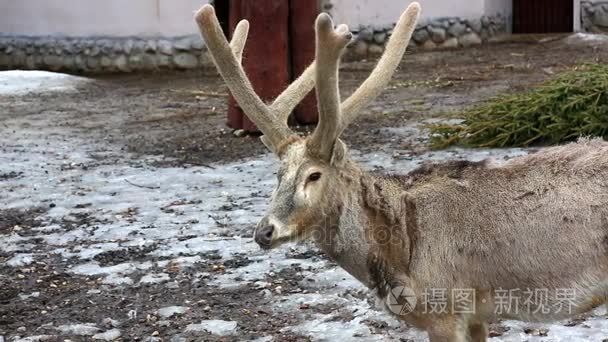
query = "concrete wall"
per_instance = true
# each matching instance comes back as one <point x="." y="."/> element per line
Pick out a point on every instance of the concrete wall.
<point x="381" y="13"/>
<point x="98" y="18"/>
<point x="174" y="17"/>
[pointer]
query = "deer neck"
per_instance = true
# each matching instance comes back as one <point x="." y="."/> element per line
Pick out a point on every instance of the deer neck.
<point x="368" y="205"/>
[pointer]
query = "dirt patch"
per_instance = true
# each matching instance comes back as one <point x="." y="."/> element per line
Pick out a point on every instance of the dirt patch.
<point x="180" y="116"/>
<point x="68" y="299"/>
<point x="18" y="220"/>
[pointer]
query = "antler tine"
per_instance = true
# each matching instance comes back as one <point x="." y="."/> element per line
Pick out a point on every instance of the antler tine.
<point x="239" y="38"/>
<point x="330" y="44"/>
<point x="297" y="90"/>
<point x="384" y="70"/>
<point x="232" y="72"/>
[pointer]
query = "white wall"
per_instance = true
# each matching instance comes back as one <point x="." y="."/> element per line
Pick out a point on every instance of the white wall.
<point x="174" y="17"/>
<point x="99" y="17"/>
<point x="384" y="12"/>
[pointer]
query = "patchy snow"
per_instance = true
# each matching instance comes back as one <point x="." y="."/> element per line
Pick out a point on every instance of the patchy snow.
<point x="22" y="82"/>
<point x="109" y="335"/>
<point x="20" y="260"/>
<point x="86" y="329"/>
<point x="169" y="311"/>
<point x="215" y="327"/>
<point x="154" y="278"/>
<point x="585" y="38"/>
<point x="187" y="217"/>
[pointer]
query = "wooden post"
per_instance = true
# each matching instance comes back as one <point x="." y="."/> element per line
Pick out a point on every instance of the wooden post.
<point x="266" y="53"/>
<point x="280" y="46"/>
<point x="235" y="113"/>
<point x="302" y="14"/>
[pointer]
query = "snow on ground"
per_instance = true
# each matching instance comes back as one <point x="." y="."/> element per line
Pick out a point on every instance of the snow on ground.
<point x="183" y="213"/>
<point x="22" y="82"/>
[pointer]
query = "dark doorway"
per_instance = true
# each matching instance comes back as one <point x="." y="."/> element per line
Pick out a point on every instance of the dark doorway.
<point x="543" y="16"/>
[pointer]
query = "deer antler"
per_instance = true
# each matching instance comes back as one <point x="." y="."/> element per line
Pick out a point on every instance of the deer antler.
<point x="334" y="118"/>
<point x="271" y="120"/>
<point x="330" y="44"/>
<point x="384" y="70"/>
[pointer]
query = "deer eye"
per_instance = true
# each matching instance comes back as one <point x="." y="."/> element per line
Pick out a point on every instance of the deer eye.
<point x="314" y="176"/>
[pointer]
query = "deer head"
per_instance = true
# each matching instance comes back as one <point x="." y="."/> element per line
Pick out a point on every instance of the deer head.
<point x="315" y="171"/>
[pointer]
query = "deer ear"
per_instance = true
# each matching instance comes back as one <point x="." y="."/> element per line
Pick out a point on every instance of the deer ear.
<point x="268" y="144"/>
<point x="339" y="153"/>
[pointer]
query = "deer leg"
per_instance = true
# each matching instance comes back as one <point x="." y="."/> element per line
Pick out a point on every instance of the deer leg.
<point x="478" y="332"/>
<point x="448" y="329"/>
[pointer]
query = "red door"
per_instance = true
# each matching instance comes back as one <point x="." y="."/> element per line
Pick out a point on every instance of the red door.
<point x="543" y="16"/>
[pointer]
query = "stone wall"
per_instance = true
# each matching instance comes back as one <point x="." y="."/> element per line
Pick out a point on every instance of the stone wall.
<point x="447" y="32"/>
<point x="594" y="16"/>
<point x="116" y="54"/>
<point x="103" y="54"/>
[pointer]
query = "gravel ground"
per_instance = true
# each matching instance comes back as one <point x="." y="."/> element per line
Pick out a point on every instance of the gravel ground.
<point x="127" y="208"/>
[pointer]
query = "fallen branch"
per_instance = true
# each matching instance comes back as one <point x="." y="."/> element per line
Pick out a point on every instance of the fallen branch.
<point x="142" y="186"/>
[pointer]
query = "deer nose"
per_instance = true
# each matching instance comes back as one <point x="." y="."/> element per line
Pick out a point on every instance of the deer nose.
<point x="263" y="233"/>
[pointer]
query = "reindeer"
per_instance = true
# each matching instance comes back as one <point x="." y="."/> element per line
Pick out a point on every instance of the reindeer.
<point x="535" y="224"/>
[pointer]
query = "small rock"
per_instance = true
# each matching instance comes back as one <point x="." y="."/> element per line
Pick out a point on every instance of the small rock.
<point x="185" y="61"/>
<point x="118" y="46"/>
<point x="150" y="46"/>
<point x="182" y="44"/>
<point x="485" y="21"/>
<point x="128" y="46"/>
<point x="536" y="332"/>
<point x="138" y="46"/>
<point x="197" y="43"/>
<point x="421" y="36"/>
<point x="450" y="43"/>
<point x="136" y="62"/>
<point x="437" y="34"/>
<point x="163" y="323"/>
<point x="165" y="47"/>
<point x="67" y="62"/>
<point x="360" y="48"/>
<point x="366" y="34"/>
<point x="105" y="61"/>
<point x="149" y="61"/>
<point x="93" y="63"/>
<point x="110" y="323"/>
<point x="380" y="37"/>
<point x="163" y="60"/>
<point x="122" y="63"/>
<point x="475" y="24"/>
<point x="470" y="39"/>
<point x="457" y="29"/>
<point x="239" y="133"/>
<point x="429" y="45"/>
<point x="375" y="50"/>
